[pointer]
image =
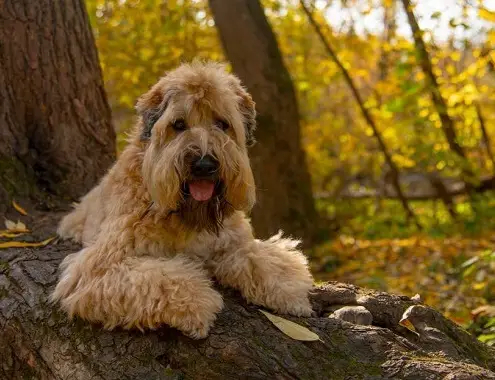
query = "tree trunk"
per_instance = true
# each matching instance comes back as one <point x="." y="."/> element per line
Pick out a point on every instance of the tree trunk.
<point x="485" y="136"/>
<point x="38" y="342"/>
<point x="56" y="136"/>
<point x="285" y="199"/>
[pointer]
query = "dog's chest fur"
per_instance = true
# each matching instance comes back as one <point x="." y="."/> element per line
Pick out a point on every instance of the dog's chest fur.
<point x="165" y="235"/>
<point x="169" y="237"/>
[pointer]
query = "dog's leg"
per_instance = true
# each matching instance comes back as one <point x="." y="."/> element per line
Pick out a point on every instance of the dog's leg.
<point x="271" y="273"/>
<point x="83" y="223"/>
<point x="72" y="225"/>
<point x="142" y="292"/>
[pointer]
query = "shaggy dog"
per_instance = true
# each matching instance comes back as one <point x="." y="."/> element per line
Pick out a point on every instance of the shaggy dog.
<point x="171" y="214"/>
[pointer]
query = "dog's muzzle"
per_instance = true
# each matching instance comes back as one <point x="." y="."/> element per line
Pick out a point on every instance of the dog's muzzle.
<point x="204" y="175"/>
<point x="204" y="167"/>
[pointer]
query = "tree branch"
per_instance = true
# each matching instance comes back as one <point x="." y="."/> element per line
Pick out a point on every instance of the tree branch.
<point x="366" y="114"/>
<point x="448" y="126"/>
<point x="38" y="341"/>
<point x="486" y="184"/>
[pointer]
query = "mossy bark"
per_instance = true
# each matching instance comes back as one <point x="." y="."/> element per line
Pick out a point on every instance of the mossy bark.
<point x="38" y="342"/>
<point x="56" y="136"/>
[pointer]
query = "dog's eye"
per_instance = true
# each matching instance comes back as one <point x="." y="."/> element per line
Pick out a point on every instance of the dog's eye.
<point x="222" y="124"/>
<point x="179" y="125"/>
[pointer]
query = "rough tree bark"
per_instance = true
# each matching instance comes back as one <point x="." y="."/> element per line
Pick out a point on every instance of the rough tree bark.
<point x="394" y="170"/>
<point x="54" y="115"/>
<point x="285" y="199"/>
<point x="38" y="342"/>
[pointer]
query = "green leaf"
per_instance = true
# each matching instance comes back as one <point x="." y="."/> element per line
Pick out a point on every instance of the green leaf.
<point x="436" y="15"/>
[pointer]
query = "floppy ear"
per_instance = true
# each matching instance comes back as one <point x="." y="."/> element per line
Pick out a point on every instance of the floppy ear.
<point x="247" y="108"/>
<point x="150" y="107"/>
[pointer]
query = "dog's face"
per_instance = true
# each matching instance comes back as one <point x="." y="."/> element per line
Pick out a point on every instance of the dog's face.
<point x="196" y="124"/>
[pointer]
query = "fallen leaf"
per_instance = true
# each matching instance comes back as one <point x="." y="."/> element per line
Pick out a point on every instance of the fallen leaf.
<point x="15" y="227"/>
<point x="10" y="234"/>
<point x="470" y="262"/>
<point x="405" y="322"/>
<point x="416" y="298"/>
<point x="19" y="209"/>
<point x="484" y="310"/>
<point x="21" y="227"/>
<point x="10" y="224"/>
<point x="22" y="244"/>
<point x="479" y="285"/>
<point x="291" y="329"/>
<point x="408" y="325"/>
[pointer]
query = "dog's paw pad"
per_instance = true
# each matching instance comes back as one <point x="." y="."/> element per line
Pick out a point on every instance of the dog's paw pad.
<point x="302" y="310"/>
<point x="199" y="333"/>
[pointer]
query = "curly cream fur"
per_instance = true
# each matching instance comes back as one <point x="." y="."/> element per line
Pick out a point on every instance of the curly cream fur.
<point x="141" y="266"/>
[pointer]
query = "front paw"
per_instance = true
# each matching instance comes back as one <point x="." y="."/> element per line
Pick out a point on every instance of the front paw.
<point x="301" y="308"/>
<point x="287" y="298"/>
<point x="197" y="317"/>
<point x="71" y="226"/>
<point x="199" y="332"/>
<point x="197" y="326"/>
<point x="298" y="306"/>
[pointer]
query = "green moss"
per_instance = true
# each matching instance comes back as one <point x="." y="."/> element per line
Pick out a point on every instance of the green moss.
<point x="3" y="293"/>
<point x="15" y="179"/>
<point x="173" y="374"/>
<point x="365" y="369"/>
<point x="4" y="267"/>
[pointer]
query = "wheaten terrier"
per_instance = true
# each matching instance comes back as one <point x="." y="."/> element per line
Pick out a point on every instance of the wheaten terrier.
<point x="171" y="214"/>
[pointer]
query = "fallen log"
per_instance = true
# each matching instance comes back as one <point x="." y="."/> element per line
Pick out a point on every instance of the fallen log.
<point x="421" y="191"/>
<point x="39" y="342"/>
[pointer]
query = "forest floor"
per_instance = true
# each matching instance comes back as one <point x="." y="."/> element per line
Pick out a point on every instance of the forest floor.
<point x="453" y="275"/>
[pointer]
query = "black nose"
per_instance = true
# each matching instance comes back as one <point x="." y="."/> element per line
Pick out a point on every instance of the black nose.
<point x="205" y="166"/>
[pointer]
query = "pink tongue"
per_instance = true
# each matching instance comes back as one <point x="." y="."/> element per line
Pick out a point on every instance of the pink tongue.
<point x="201" y="190"/>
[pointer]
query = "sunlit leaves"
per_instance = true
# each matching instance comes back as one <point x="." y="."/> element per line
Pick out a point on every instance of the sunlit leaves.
<point x="139" y="40"/>
<point x="487" y="14"/>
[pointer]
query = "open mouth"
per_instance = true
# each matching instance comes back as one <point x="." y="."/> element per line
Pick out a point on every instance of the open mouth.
<point x="201" y="190"/>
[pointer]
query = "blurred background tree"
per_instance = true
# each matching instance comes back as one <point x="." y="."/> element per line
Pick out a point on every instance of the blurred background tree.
<point x="284" y="199"/>
<point x="391" y="136"/>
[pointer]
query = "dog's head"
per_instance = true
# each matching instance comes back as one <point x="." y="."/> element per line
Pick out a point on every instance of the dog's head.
<point x="196" y="124"/>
